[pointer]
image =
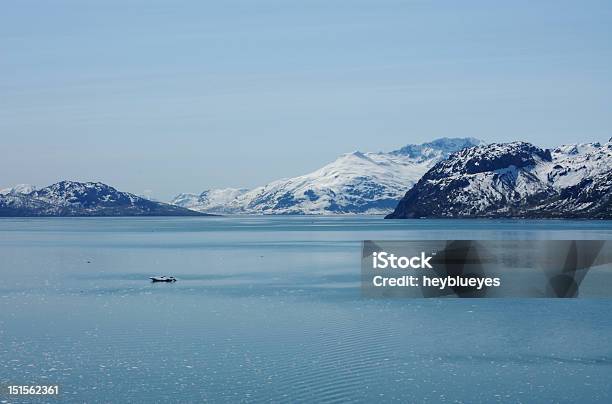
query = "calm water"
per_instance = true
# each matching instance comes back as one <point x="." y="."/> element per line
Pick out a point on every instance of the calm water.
<point x="269" y="309"/>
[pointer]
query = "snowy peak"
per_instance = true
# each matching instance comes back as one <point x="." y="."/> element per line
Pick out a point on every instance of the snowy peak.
<point x="215" y="201"/>
<point x="442" y="147"/>
<point x="87" y="195"/>
<point x="494" y="156"/>
<point x="70" y="198"/>
<point x="515" y="179"/>
<point x="575" y="163"/>
<point x="18" y="189"/>
<point x="356" y="182"/>
<point x="578" y="148"/>
<point x="356" y="154"/>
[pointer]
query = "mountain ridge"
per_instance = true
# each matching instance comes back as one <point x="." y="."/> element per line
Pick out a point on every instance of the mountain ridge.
<point x="354" y="183"/>
<point x="515" y="179"/>
<point x="71" y="198"/>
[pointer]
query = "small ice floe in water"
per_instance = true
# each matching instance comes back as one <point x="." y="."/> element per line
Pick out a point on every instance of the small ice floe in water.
<point x="163" y="279"/>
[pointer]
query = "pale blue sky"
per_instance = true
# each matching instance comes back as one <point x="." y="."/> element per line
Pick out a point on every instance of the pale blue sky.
<point x="179" y="96"/>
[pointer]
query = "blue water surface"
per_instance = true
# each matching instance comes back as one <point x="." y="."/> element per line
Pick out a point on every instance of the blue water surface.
<point x="269" y="309"/>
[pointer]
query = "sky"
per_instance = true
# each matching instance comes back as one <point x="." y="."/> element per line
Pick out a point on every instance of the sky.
<point x="163" y="97"/>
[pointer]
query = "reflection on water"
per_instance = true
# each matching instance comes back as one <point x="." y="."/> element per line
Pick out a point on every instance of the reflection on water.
<point x="269" y="308"/>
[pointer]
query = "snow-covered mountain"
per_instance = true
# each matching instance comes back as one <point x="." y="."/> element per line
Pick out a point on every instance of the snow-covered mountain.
<point x="217" y="201"/>
<point x="370" y="183"/>
<point x="18" y="189"/>
<point x="516" y="180"/>
<point x="69" y="198"/>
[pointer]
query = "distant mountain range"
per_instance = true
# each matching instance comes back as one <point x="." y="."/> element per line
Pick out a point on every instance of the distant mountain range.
<point x="355" y="183"/>
<point x="448" y="177"/>
<point x="69" y="198"/>
<point x="217" y="201"/>
<point x="516" y="180"/>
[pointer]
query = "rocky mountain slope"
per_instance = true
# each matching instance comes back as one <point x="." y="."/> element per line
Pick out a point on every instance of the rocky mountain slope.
<point x="370" y="183"/>
<point x="515" y="180"/>
<point x="69" y="198"/>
